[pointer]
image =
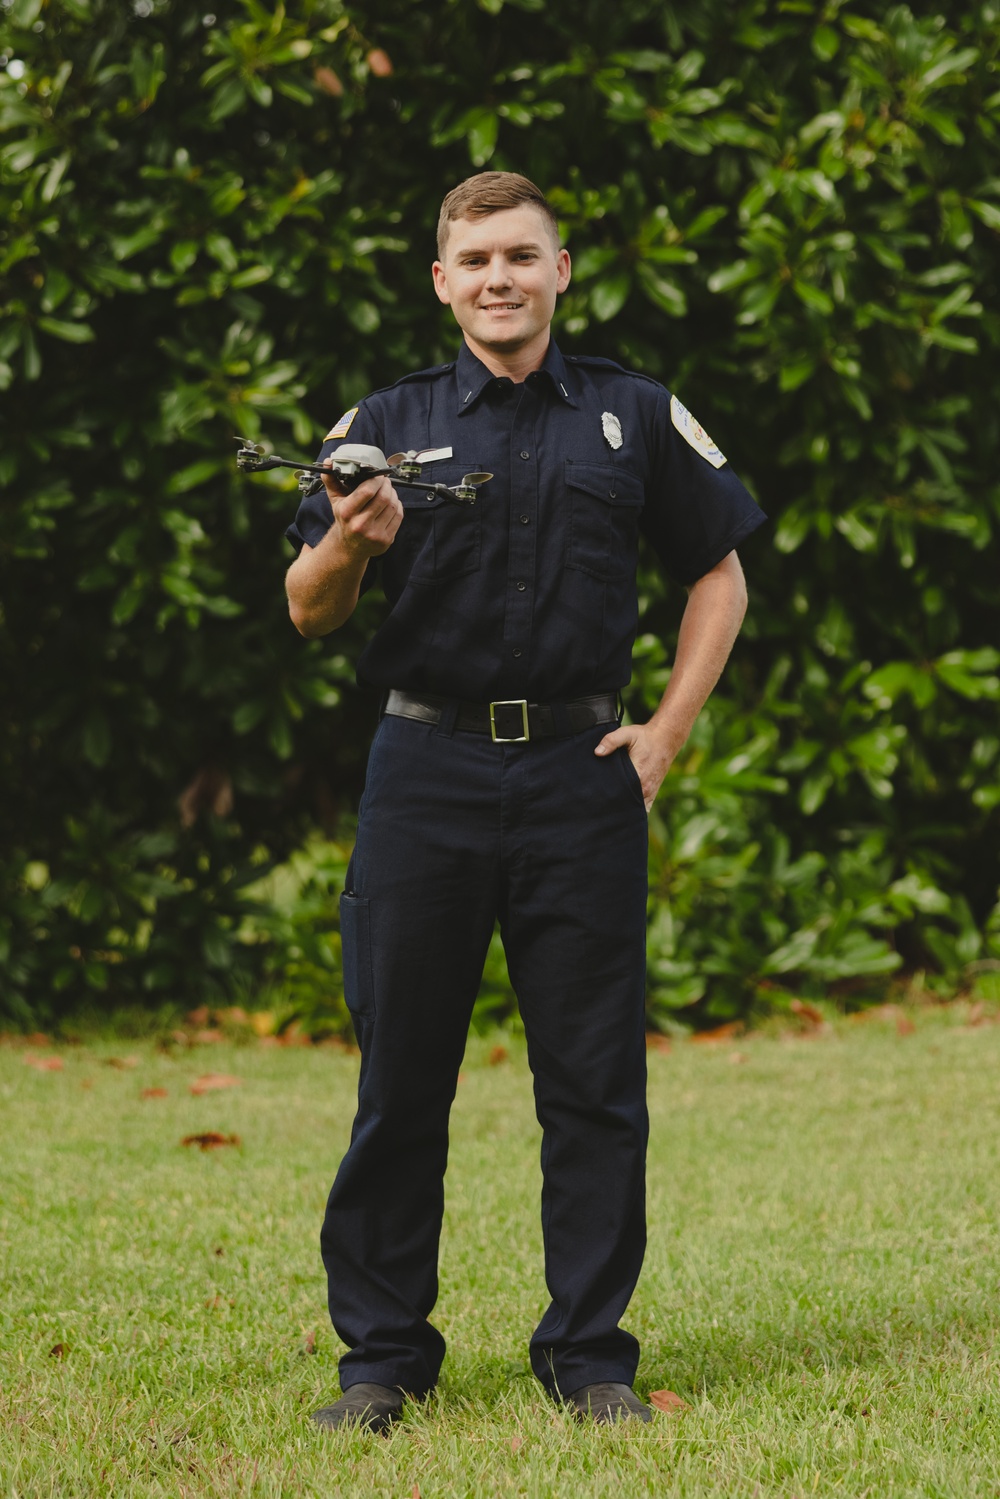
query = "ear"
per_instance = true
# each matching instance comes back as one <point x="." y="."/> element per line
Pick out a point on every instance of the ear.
<point x="564" y="270"/>
<point x="441" y="283"/>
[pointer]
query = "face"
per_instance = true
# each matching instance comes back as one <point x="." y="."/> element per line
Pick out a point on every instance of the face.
<point x="501" y="276"/>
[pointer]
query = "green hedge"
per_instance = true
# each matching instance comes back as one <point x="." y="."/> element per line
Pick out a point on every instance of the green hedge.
<point x="222" y="223"/>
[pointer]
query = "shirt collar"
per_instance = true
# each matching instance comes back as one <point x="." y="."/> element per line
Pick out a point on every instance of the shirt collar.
<point x="473" y="377"/>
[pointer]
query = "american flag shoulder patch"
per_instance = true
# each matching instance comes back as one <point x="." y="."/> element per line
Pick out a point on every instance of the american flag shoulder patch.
<point x="341" y="428"/>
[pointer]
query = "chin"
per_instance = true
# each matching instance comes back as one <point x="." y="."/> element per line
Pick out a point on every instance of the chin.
<point x="503" y="338"/>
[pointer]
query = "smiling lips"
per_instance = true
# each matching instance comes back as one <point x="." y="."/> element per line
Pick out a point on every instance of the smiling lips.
<point x="502" y="306"/>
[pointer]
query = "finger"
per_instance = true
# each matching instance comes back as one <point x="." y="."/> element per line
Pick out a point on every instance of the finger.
<point x="331" y="483"/>
<point x="368" y="521"/>
<point x="369" y="491"/>
<point x="617" y="739"/>
<point x="357" y="502"/>
<point x="379" y="520"/>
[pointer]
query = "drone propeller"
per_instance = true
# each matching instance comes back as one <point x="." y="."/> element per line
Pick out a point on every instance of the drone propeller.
<point x="418" y="455"/>
<point x="476" y="479"/>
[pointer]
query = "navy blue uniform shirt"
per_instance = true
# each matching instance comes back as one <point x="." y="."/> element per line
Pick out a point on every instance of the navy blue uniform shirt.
<point x="531" y="591"/>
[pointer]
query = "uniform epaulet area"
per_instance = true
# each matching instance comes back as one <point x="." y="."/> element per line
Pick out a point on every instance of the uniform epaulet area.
<point x="428" y="374"/>
<point x="593" y="359"/>
<point x="610" y="364"/>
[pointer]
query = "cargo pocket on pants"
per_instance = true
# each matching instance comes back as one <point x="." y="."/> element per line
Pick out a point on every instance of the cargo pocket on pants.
<point x="356" y="949"/>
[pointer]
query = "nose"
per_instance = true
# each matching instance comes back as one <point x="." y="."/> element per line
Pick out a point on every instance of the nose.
<point x="499" y="273"/>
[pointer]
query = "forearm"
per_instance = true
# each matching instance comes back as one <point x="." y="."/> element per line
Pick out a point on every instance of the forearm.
<point x="324" y="582"/>
<point x="711" y="622"/>
<point x="323" y="585"/>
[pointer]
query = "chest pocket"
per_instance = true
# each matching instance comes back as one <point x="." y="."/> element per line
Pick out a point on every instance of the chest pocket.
<point x="604" y="506"/>
<point x="440" y="538"/>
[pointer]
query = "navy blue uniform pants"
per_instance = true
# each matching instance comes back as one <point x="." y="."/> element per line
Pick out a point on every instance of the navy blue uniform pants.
<point x="454" y="832"/>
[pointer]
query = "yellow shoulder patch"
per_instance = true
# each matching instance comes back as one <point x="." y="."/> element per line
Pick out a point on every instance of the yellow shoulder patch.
<point x="342" y="427"/>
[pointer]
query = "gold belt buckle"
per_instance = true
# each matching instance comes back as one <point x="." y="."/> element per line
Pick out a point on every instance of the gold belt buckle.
<point x="511" y="702"/>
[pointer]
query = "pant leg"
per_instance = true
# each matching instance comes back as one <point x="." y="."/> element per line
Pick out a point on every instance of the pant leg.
<point x="417" y="918"/>
<point x="574" y="924"/>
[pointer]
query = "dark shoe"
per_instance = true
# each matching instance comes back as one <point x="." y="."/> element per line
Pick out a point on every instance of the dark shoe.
<point x="605" y="1403"/>
<point x="371" y="1407"/>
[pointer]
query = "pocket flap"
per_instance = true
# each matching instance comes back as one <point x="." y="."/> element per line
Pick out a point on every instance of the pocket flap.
<point x="615" y="486"/>
<point x="435" y="473"/>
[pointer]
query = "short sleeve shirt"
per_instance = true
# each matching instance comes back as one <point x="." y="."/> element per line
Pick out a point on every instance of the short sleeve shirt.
<point x="531" y="591"/>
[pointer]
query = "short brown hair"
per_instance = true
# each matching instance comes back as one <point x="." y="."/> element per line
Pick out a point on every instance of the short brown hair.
<point x="491" y="192"/>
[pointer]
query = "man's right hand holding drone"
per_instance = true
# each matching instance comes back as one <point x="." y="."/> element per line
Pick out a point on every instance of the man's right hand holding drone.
<point x="324" y="581"/>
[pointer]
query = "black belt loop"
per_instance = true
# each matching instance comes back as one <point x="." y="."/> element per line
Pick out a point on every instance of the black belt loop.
<point x="449" y="713"/>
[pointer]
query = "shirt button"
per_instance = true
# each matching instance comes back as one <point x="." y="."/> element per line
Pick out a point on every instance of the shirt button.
<point x="523" y="519"/>
<point x="515" y="652"/>
<point x="525" y="453"/>
<point x="521" y="587"/>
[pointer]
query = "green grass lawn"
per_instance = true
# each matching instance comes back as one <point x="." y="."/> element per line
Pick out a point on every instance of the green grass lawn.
<point x="821" y="1283"/>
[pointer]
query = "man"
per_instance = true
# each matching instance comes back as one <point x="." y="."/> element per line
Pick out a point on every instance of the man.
<point x="500" y="785"/>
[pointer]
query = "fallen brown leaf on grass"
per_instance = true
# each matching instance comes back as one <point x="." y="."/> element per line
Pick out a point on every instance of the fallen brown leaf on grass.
<point x="213" y="1081"/>
<point x="309" y="1346"/>
<point x="38" y="1038"/>
<point x="44" y="1064"/>
<point x="153" y="1093"/>
<point x="727" y="1032"/>
<point x="58" y="1350"/>
<point x="737" y="1056"/>
<point x="122" y="1063"/>
<point x="904" y="1025"/>
<point x="201" y="1016"/>
<point x="807" y="1012"/>
<point x="210" y="1037"/>
<point x="667" y="1401"/>
<point x="516" y="1443"/>
<point x="655" y="1041"/>
<point x="211" y="1140"/>
<point x="497" y="1055"/>
<point x="295" y="1035"/>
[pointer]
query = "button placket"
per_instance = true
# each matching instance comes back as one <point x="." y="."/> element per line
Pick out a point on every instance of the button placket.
<point x="523" y="509"/>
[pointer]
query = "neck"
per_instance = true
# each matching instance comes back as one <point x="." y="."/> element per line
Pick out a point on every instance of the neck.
<point x="516" y="364"/>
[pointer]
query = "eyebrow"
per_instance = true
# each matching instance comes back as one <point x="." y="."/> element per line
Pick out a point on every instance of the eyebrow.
<point x="509" y="250"/>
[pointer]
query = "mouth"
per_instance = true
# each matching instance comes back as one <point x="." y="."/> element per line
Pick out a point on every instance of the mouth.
<point x="501" y="306"/>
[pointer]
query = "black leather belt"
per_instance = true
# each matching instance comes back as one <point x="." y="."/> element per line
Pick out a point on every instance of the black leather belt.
<point x="511" y="721"/>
